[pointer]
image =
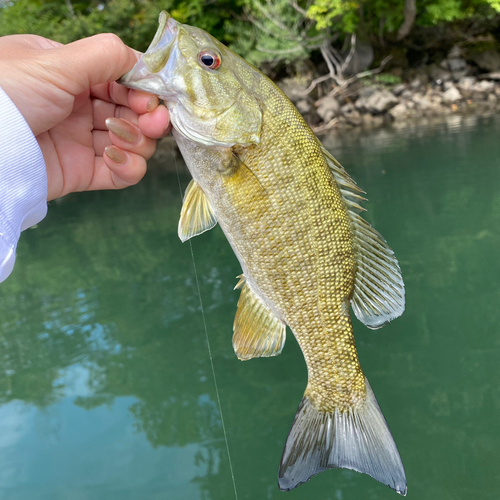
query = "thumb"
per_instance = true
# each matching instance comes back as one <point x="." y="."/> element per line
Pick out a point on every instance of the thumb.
<point x="90" y="61"/>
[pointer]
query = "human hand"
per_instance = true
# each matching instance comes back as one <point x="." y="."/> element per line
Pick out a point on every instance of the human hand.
<point x="67" y="94"/>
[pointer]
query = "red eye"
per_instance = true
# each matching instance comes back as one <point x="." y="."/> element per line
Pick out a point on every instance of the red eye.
<point x="209" y="59"/>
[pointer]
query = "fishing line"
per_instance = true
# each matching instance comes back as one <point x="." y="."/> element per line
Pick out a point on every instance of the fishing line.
<point x="208" y="341"/>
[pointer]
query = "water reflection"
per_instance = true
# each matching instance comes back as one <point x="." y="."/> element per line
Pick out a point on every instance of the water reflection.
<point x="106" y="388"/>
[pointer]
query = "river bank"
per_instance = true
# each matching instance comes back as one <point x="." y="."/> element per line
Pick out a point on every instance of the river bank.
<point x="454" y="86"/>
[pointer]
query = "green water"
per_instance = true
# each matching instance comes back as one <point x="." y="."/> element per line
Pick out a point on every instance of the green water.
<point x="106" y="387"/>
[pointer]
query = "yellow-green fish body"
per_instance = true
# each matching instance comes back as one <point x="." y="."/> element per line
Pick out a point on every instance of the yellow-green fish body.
<point x="289" y="211"/>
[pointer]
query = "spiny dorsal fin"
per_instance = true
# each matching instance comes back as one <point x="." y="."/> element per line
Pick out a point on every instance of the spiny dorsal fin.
<point x="196" y="214"/>
<point x="257" y="331"/>
<point x="379" y="292"/>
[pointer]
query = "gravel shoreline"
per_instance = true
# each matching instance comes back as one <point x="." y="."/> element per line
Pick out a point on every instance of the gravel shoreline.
<point x="451" y="87"/>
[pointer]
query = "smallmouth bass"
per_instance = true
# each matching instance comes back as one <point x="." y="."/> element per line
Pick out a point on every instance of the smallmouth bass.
<point x="290" y="213"/>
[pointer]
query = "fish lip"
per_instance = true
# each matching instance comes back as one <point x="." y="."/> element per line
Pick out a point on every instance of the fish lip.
<point x="144" y="75"/>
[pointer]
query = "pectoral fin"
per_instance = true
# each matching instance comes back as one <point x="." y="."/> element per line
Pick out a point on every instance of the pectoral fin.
<point x="257" y="331"/>
<point x="196" y="214"/>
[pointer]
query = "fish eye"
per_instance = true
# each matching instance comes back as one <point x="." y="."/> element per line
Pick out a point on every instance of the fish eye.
<point x="209" y="59"/>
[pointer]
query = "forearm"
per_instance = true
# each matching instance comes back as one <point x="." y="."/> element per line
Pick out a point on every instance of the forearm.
<point x="23" y="182"/>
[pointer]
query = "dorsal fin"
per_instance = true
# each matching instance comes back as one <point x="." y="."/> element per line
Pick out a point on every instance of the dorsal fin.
<point x="257" y="331"/>
<point x="379" y="293"/>
<point x="196" y="214"/>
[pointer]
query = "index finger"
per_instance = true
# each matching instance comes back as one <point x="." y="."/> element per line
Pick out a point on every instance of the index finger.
<point x="111" y="92"/>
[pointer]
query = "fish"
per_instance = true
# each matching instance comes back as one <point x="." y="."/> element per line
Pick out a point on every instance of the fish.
<point x="291" y="214"/>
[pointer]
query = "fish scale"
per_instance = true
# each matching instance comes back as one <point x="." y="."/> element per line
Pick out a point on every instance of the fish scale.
<point x="289" y="211"/>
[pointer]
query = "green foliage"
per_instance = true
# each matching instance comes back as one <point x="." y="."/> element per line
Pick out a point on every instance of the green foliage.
<point x="387" y="79"/>
<point x="135" y="21"/>
<point x="342" y="14"/>
<point x="260" y="30"/>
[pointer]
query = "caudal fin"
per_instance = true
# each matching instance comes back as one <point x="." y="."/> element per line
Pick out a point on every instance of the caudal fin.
<point x="356" y="439"/>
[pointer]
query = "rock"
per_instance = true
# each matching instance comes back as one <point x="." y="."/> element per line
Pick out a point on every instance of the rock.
<point x="492" y="98"/>
<point x="457" y="65"/>
<point x="421" y="101"/>
<point x="489" y="60"/>
<point x="466" y="82"/>
<point x="478" y="96"/>
<point x="378" y="102"/>
<point x="351" y="114"/>
<point x="370" y="121"/>
<point x="484" y="86"/>
<point x="455" y="52"/>
<point x="407" y="94"/>
<point x="398" y="89"/>
<point x="435" y="98"/>
<point x="295" y="88"/>
<point x="399" y="111"/>
<point x="361" y="59"/>
<point x="440" y="75"/>
<point x="416" y="83"/>
<point x="491" y="76"/>
<point x="327" y="108"/>
<point x="303" y="106"/>
<point x="452" y="95"/>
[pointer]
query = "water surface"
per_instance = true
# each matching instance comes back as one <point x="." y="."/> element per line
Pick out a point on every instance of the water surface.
<point x="106" y="386"/>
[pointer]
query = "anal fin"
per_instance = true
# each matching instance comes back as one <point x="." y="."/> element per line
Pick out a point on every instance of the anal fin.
<point x="257" y="331"/>
<point x="196" y="215"/>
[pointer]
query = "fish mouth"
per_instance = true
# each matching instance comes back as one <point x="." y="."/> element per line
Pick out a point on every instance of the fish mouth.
<point x="144" y="75"/>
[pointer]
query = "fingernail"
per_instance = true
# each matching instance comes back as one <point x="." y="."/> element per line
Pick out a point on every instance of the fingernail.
<point x="122" y="129"/>
<point x="152" y="104"/>
<point x="116" y="155"/>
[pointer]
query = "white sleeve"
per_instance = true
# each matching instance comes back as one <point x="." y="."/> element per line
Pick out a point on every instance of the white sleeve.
<point x="23" y="182"/>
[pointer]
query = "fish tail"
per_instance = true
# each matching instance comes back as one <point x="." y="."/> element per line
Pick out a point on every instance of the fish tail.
<point x="357" y="439"/>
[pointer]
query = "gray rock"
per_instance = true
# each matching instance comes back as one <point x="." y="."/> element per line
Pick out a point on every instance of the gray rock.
<point x="351" y="114"/>
<point x="467" y="82"/>
<point x="491" y="76"/>
<point x="295" y="88"/>
<point x="455" y="52"/>
<point x="452" y="95"/>
<point x="303" y="106"/>
<point x="370" y="121"/>
<point x="421" y="101"/>
<point x="457" y="75"/>
<point x="361" y="59"/>
<point x="367" y="91"/>
<point x="484" y="86"/>
<point x="457" y="65"/>
<point x="435" y="98"/>
<point x="440" y="75"/>
<point x="489" y="60"/>
<point x="398" y="89"/>
<point x="399" y="111"/>
<point x="407" y="94"/>
<point x="378" y="102"/>
<point x="478" y="96"/>
<point x="327" y="108"/>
